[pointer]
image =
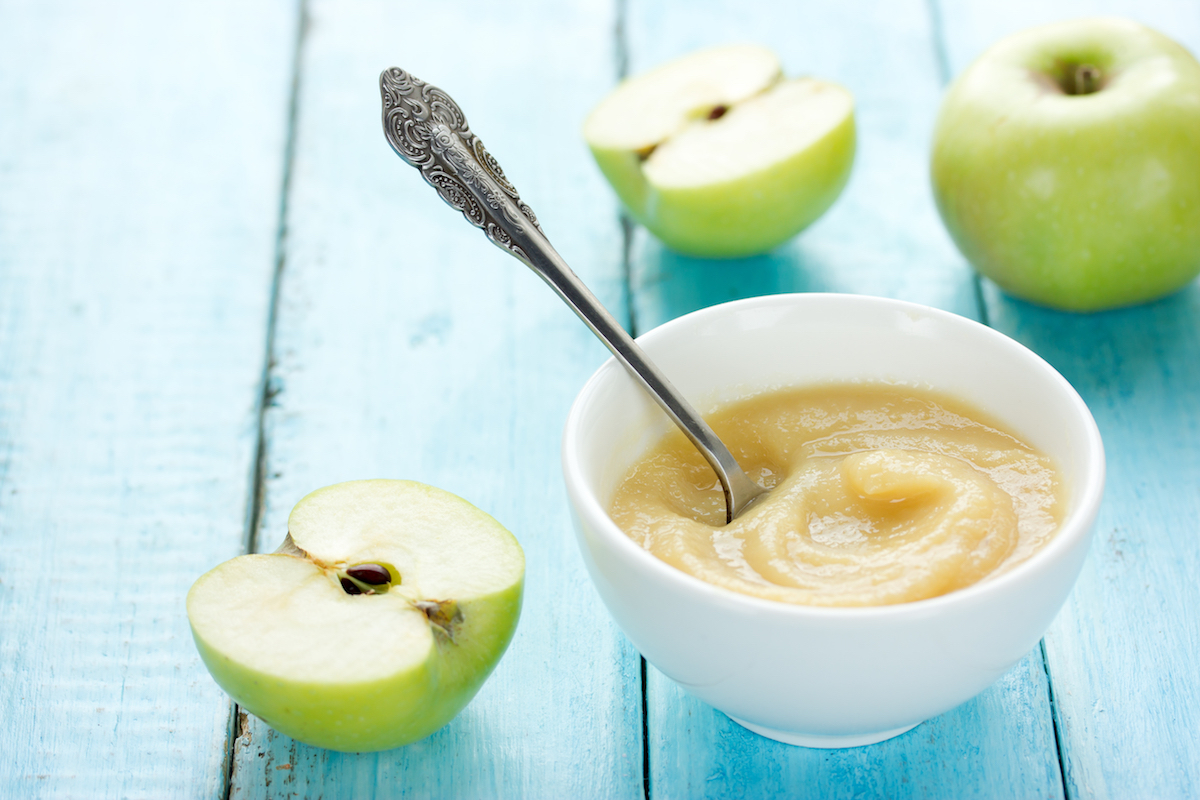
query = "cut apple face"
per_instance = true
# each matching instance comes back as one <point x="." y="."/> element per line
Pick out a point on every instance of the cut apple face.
<point x="719" y="156"/>
<point x="376" y="622"/>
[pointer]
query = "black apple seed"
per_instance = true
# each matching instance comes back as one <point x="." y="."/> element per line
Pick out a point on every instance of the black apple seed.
<point x="349" y="587"/>
<point x="717" y="112"/>
<point x="372" y="574"/>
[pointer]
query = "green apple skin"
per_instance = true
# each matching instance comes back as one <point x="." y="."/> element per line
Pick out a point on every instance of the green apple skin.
<point x="365" y="716"/>
<point x="379" y="715"/>
<point x="1079" y="202"/>
<point x="737" y="218"/>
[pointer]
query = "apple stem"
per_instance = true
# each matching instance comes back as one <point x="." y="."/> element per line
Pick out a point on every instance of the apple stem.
<point x="1085" y="79"/>
<point x="444" y="615"/>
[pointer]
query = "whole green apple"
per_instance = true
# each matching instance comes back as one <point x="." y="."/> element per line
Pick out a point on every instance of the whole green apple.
<point x="1066" y="164"/>
<point x="380" y="617"/>
<point x="718" y="155"/>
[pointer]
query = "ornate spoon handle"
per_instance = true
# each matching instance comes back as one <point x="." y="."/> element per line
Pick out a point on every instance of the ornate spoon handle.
<point x="428" y="130"/>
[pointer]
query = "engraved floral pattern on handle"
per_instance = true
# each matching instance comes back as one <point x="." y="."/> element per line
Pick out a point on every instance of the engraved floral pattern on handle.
<point x="428" y="130"/>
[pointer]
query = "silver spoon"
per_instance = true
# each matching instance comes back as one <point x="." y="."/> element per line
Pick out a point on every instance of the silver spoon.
<point x="428" y="130"/>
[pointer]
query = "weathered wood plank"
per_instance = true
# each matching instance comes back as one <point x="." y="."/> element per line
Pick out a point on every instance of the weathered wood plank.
<point x="408" y="346"/>
<point x="981" y="749"/>
<point x="883" y="237"/>
<point x="141" y="149"/>
<point x="1124" y="655"/>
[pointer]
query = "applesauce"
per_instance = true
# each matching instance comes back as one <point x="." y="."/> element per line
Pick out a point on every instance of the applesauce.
<point x="880" y="494"/>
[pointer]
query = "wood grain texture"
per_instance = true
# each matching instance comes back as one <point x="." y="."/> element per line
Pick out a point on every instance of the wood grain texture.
<point x="142" y="153"/>
<point x="140" y="160"/>
<point x="1000" y="744"/>
<point x="882" y="237"/>
<point x="1124" y="656"/>
<point x="408" y="346"/>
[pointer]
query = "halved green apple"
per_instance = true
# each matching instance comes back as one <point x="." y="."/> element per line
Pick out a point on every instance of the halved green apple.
<point x="380" y="617"/>
<point x="719" y="156"/>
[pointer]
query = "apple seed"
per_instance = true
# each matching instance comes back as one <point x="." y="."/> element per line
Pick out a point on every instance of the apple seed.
<point x="373" y="574"/>
<point x="350" y="587"/>
<point x="717" y="112"/>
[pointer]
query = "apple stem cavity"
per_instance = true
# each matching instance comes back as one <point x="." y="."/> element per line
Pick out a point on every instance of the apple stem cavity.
<point x="1082" y="79"/>
<point x="288" y="547"/>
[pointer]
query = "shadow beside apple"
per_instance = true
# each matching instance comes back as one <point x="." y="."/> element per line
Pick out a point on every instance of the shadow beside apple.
<point x="1110" y="355"/>
<point x="667" y="284"/>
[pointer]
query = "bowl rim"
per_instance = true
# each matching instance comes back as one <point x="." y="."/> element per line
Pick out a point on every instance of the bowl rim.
<point x="1077" y="526"/>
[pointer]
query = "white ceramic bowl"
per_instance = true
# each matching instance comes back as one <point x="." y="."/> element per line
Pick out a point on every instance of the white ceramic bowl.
<point x="828" y="677"/>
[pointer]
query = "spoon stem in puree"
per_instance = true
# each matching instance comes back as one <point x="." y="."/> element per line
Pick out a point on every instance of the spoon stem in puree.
<point x="879" y="495"/>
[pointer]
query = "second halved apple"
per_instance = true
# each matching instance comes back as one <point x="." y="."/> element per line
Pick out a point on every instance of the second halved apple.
<point x="376" y="622"/>
<point x="719" y="156"/>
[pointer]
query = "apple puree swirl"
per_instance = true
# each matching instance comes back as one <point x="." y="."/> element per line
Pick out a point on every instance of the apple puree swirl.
<point x="879" y="495"/>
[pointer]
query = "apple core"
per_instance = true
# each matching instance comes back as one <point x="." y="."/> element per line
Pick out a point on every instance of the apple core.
<point x="366" y="579"/>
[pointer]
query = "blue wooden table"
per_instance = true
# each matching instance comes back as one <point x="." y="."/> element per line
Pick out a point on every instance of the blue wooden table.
<point x="219" y="289"/>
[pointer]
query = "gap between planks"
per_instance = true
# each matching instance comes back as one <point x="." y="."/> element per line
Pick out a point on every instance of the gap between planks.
<point x="268" y="390"/>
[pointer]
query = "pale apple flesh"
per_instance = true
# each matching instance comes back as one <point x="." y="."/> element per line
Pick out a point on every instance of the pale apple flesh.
<point x="719" y="156"/>
<point x="376" y="669"/>
<point x="1066" y="164"/>
<point x="648" y="109"/>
